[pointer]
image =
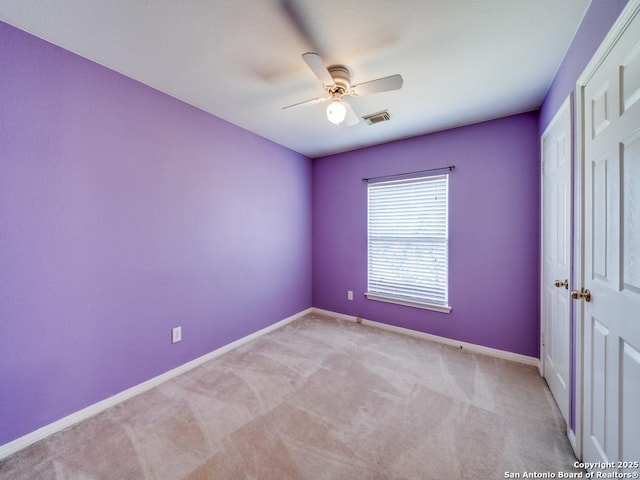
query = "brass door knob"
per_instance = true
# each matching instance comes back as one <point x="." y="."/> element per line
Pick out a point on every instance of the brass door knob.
<point x="578" y="294"/>
<point x="560" y="284"/>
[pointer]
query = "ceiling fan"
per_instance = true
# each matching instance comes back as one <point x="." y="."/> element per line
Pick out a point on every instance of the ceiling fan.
<point x="336" y="81"/>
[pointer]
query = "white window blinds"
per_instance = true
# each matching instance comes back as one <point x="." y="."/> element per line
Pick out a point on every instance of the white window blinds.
<point x="408" y="242"/>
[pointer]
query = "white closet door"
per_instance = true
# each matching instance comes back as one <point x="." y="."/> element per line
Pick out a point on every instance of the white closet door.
<point x="611" y="319"/>
<point x="556" y="256"/>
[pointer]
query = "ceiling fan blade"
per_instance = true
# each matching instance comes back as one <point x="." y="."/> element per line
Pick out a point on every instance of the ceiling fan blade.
<point x="393" y="82"/>
<point x="313" y="101"/>
<point x="297" y="18"/>
<point x="351" y="118"/>
<point x="318" y="67"/>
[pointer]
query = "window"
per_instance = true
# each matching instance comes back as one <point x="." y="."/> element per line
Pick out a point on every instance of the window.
<point x="408" y="242"/>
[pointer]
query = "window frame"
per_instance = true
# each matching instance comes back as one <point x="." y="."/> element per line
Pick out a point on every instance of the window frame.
<point x="408" y="299"/>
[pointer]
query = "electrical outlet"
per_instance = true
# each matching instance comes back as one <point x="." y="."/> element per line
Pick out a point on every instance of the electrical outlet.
<point x="176" y="334"/>
<point x="349" y="294"/>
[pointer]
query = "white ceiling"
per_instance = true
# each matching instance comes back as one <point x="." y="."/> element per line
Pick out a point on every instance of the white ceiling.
<point x="463" y="61"/>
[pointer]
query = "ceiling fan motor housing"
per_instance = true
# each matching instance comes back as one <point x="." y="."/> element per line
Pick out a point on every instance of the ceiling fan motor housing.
<point x="342" y="79"/>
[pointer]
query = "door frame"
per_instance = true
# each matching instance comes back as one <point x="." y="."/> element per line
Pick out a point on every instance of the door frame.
<point x="566" y="104"/>
<point x="626" y="16"/>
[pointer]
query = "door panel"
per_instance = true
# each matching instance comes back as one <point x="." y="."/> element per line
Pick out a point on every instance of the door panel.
<point x="631" y="208"/>
<point x="599" y="340"/>
<point x="600" y="110"/>
<point x="600" y="232"/>
<point x="630" y="79"/>
<point x="630" y="446"/>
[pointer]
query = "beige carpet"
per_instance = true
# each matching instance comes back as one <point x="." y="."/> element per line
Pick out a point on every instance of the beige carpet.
<point x="320" y="399"/>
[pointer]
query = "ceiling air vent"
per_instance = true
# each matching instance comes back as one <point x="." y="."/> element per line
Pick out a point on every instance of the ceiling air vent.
<point x="377" y="117"/>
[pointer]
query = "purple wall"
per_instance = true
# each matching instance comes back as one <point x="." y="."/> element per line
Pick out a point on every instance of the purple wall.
<point x="493" y="218"/>
<point x="123" y="213"/>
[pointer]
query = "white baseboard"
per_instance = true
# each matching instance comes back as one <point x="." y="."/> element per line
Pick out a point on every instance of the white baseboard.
<point x="76" y="417"/>
<point x="471" y="347"/>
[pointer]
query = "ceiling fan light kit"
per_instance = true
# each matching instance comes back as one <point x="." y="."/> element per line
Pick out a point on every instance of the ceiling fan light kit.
<point x="336" y="81"/>
<point x="336" y="111"/>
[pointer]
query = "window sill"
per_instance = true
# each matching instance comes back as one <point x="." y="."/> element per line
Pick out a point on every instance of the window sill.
<point x="408" y="303"/>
